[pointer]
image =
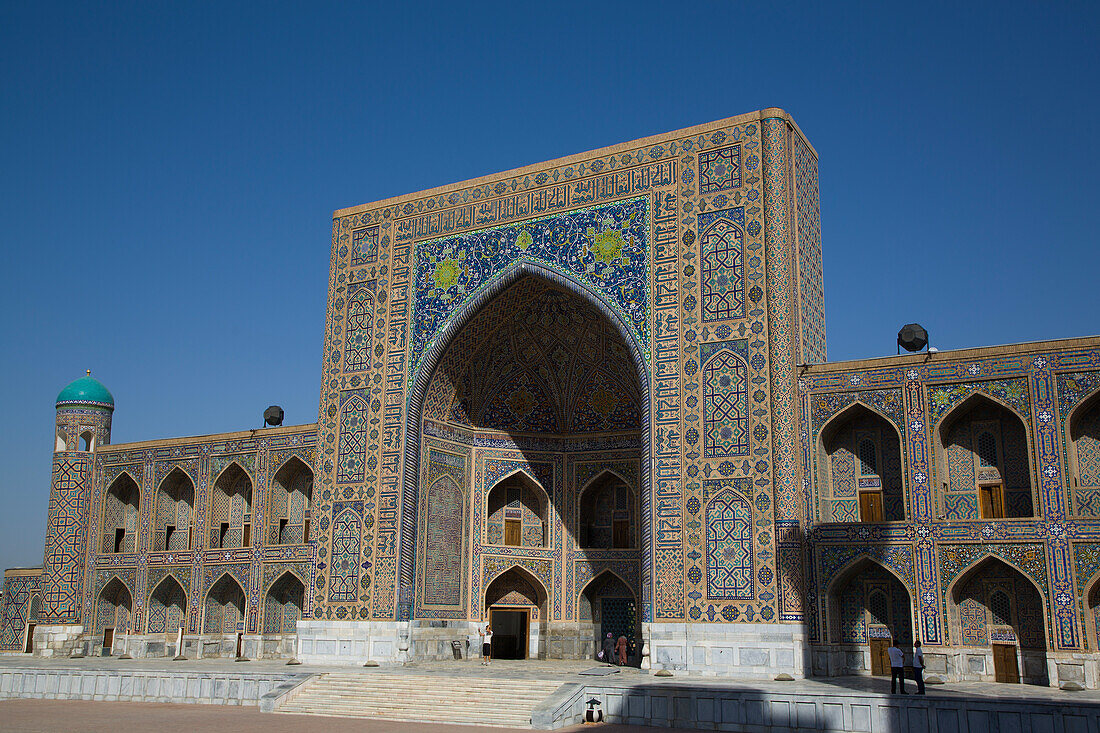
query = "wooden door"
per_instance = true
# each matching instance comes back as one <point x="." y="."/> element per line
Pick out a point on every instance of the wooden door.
<point x="620" y="533"/>
<point x="247" y="536"/>
<point x="870" y="506"/>
<point x="880" y="658"/>
<point x="992" y="502"/>
<point x="513" y="532"/>
<point x="108" y="640"/>
<point x="1005" y="664"/>
<point x="29" y="646"/>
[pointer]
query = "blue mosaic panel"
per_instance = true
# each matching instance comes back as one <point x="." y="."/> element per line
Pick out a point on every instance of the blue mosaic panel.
<point x="722" y="255"/>
<point x="17" y="611"/>
<point x="364" y="243"/>
<point x="720" y="169"/>
<point x="353" y="441"/>
<point x="604" y="247"/>
<point x="358" y="327"/>
<point x="811" y="289"/>
<point x="725" y="405"/>
<point x="444" y="543"/>
<point x="63" y="572"/>
<point x="729" y="546"/>
<point x="346" y="539"/>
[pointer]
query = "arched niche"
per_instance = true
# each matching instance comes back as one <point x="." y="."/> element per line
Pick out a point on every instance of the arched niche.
<point x="87" y="441"/>
<point x="860" y="477"/>
<point x="516" y="512"/>
<point x="288" y="508"/>
<point x="984" y="457"/>
<point x="607" y="513"/>
<point x="174" y="512"/>
<point x="867" y="607"/>
<point x="534" y="356"/>
<point x="167" y="607"/>
<point x="223" y="610"/>
<point x="114" y="606"/>
<point x="516" y="607"/>
<point x="996" y="609"/>
<point x="283" y="604"/>
<point x="121" y="504"/>
<point x="1084" y="456"/>
<point x="608" y="605"/>
<point x="231" y="508"/>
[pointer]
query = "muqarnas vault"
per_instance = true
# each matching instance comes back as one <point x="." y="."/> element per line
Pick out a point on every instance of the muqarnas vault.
<point x="587" y="397"/>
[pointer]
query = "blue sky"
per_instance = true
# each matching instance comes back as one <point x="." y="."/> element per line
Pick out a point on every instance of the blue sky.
<point x="168" y="174"/>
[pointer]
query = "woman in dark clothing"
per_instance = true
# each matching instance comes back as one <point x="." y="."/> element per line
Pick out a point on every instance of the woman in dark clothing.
<point x="609" y="649"/>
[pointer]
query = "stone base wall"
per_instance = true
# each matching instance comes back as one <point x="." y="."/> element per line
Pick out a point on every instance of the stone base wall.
<point x="57" y="640"/>
<point x="353" y="642"/>
<point x="750" y="651"/>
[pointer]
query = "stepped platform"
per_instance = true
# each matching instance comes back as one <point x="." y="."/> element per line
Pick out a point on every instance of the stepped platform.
<point x="547" y="695"/>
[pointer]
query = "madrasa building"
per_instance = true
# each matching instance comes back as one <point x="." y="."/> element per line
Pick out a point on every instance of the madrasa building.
<point x="591" y="396"/>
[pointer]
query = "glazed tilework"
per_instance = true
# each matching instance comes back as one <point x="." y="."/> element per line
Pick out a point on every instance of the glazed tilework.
<point x="20" y="593"/>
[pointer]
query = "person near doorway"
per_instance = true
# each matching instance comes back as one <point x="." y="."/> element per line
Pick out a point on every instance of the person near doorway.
<point x="609" y="649"/>
<point x="918" y="666"/>
<point x="897" y="666"/>
<point x="620" y="650"/>
<point x="487" y="645"/>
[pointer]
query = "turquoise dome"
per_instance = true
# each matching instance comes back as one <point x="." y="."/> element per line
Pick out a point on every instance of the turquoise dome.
<point x="86" y="391"/>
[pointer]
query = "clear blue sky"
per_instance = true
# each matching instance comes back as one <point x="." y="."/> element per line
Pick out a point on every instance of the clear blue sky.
<point x="168" y="174"/>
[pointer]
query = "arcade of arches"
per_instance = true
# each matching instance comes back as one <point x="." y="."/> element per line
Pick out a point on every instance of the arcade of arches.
<point x="530" y="450"/>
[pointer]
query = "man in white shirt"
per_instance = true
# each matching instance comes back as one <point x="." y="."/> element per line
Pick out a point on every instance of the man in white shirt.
<point x="897" y="666"/>
<point x="918" y="666"/>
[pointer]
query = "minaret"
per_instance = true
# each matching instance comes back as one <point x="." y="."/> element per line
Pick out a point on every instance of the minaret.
<point x="84" y="410"/>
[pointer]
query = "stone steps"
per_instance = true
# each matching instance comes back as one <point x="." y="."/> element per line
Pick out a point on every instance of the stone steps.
<point x="422" y="698"/>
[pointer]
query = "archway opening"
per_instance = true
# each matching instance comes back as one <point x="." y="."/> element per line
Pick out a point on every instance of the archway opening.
<point x="1084" y="434"/>
<point x="608" y="609"/>
<point x="516" y="512"/>
<point x="120" y="515"/>
<point x="986" y="462"/>
<point x="283" y="605"/>
<point x="288" y="504"/>
<point x="607" y="516"/>
<point x="231" y="509"/>
<point x="113" y="609"/>
<point x="533" y="396"/>
<point x="861" y="468"/>
<point x="998" y="612"/>
<point x="515" y="603"/>
<point x="224" y="607"/>
<point x="868" y="607"/>
<point x="174" y="512"/>
<point x="167" y="608"/>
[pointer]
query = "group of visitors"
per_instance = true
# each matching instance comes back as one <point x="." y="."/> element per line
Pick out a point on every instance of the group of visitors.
<point x="613" y="648"/>
<point x="897" y="667"/>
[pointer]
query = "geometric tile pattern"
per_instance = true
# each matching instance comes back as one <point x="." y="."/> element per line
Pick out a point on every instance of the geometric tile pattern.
<point x="720" y="169"/>
<point x="725" y="405"/>
<point x="18" y="592"/>
<point x="344" y="578"/>
<point x="353" y="434"/>
<point x="67" y="527"/>
<point x="729" y="545"/>
<point x="722" y="252"/>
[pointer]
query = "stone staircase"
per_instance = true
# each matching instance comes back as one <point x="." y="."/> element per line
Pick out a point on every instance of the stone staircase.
<point x="422" y="698"/>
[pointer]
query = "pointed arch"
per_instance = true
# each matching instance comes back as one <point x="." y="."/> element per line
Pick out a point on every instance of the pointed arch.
<point x="231" y="507"/>
<point x="845" y="606"/>
<point x="167" y="606"/>
<point x="121" y="506"/>
<point x="722" y="254"/>
<point x="433" y="354"/>
<point x="542" y="595"/>
<point x="607" y="513"/>
<point x="114" y="606"/>
<point x="344" y="573"/>
<point x="284" y="603"/>
<point x="517" y="515"/>
<point x="976" y="565"/>
<point x="600" y="477"/>
<point x="845" y="492"/>
<point x="174" y="511"/>
<point x="87" y="441"/>
<point x="1092" y="610"/>
<point x="969" y="490"/>
<point x="728" y="521"/>
<point x="1083" y="455"/>
<point x="725" y="405"/>
<point x="224" y="606"/>
<point x="288" y="503"/>
<point x="968" y="607"/>
<point x="603" y="576"/>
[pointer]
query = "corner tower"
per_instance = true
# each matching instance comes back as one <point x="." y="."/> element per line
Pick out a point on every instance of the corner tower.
<point x="83" y="424"/>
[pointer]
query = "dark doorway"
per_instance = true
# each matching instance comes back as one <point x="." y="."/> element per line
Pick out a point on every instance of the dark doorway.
<point x="617" y="617"/>
<point x="509" y="633"/>
<point x="28" y="648"/>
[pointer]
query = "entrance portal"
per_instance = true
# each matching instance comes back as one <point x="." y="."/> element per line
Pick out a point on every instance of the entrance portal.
<point x="510" y="631"/>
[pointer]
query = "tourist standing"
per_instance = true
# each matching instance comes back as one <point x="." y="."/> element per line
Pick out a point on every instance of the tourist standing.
<point x="620" y="648"/>
<point x="918" y="666"/>
<point x="897" y="666"/>
<point x="609" y="649"/>
<point x="487" y="645"/>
